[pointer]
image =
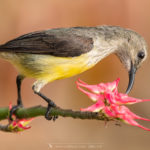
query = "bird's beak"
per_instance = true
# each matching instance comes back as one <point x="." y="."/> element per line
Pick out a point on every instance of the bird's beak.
<point x="131" y="78"/>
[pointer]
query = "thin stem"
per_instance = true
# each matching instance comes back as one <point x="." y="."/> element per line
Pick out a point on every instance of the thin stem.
<point x="57" y="111"/>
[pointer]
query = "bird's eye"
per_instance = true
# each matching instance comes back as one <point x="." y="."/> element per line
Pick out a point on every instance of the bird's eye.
<point x="141" y="55"/>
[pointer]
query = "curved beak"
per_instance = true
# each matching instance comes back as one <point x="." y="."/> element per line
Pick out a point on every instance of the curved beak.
<point x="131" y="78"/>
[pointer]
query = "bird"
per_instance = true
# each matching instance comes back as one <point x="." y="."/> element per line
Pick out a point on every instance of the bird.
<point x="60" y="53"/>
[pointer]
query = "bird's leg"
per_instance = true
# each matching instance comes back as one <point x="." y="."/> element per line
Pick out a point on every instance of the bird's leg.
<point x="50" y="105"/>
<point x="36" y="88"/>
<point x="19" y="99"/>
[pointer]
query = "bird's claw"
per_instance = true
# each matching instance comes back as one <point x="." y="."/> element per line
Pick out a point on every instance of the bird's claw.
<point x="13" y="110"/>
<point x="47" y="114"/>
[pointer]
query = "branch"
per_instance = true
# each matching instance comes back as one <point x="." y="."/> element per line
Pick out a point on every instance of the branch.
<point x="57" y="111"/>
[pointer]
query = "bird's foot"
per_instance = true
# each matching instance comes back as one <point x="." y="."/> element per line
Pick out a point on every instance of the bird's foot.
<point x="51" y="104"/>
<point x="13" y="110"/>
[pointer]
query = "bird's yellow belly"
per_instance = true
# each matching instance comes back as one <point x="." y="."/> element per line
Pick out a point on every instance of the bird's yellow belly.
<point x="49" y="68"/>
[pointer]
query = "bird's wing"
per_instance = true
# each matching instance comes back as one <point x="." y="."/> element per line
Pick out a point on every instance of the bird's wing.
<point x="49" y="42"/>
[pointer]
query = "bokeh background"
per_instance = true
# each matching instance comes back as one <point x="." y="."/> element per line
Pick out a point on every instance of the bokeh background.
<point x="18" y="17"/>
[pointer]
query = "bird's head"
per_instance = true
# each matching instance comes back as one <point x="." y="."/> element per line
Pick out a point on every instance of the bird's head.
<point x="132" y="51"/>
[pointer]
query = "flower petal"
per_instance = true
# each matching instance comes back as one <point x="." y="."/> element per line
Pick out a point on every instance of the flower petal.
<point x="109" y="112"/>
<point x="111" y="86"/>
<point x="93" y="88"/>
<point x="92" y="96"/>
<point x="127" y="116"/>
<point x="125" y="99"/>
<point x="134" y="123"/>
<point x="95" y="107"/>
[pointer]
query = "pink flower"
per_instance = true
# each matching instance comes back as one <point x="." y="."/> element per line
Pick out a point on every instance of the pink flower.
<point x="18" y="124"/>
<point x="110" y="102"/>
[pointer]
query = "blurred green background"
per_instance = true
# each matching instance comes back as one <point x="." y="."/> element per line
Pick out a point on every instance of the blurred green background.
<point x="18" y="17"/>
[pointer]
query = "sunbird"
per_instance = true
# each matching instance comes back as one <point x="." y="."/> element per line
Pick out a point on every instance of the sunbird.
<point x="64" y="52"/>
